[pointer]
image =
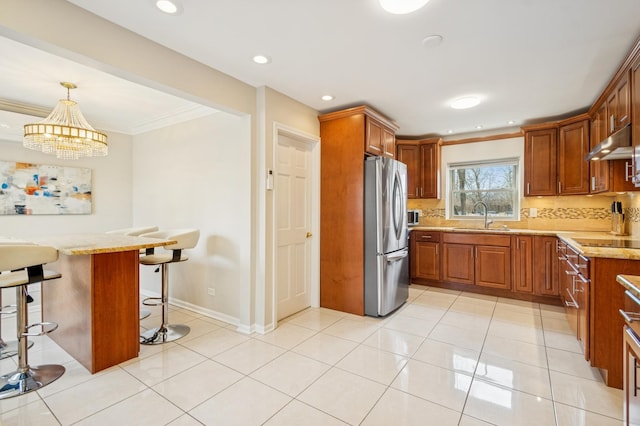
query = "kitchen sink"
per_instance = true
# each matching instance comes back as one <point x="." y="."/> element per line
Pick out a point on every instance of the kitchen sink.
<point x="503" y="229"/>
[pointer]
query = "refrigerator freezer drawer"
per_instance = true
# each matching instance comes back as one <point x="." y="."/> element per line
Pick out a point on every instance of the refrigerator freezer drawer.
<point x="390" y="288"/>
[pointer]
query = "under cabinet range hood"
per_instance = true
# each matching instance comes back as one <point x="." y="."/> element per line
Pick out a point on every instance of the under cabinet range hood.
<point x="615" y="147"/>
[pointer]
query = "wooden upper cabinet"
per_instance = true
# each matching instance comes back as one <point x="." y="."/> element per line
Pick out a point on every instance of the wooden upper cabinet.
<point x="540" y="161"/>
<point x="373" y="137"/>
<point x="430" y="167"/>
<point x="388" y="143"/>
<point x="619" y="105"/>
<point x="635" y="117"/>
<point x="409" y="154"/>
<point x="422" y="158"/>
<point x="573" y="168"/>
<point x="379" y="139"/>
<point x="599" y="169"/>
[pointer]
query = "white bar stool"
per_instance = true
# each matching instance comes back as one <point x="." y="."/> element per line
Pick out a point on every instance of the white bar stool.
<point x="185" y="239"/>
<point x="9" y="349"/>
<point x="26" y="263"/>
<point x="135" y="232"/>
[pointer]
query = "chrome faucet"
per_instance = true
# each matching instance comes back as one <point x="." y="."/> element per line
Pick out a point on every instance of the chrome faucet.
<point x="487" y="222"/>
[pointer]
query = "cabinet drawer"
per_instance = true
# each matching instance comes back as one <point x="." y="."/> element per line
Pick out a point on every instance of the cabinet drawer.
<point x="425" y="236"/>
<point x="578" y="261"/>
<point x="479" y="239"/>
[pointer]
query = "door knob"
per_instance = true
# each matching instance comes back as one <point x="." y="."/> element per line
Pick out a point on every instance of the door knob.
<point x="309" y="234"/>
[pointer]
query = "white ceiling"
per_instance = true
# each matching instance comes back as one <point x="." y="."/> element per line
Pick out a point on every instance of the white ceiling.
<point x="528" y="60"/>
<point x="31" y="77"/>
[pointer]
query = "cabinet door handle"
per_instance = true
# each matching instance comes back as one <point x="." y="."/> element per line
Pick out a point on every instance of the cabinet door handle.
<point x="628" y="171"/>
<point x="612" y="123"/>
<point x="593" y="183"/>
<point x="436" y="250"/>
<point x="559" y="187"/>
<point x="635" y="376"/>
<point x="629" y="316"/>
<point x="528" y="188"/>
<point x="417" y="191"/>
<point x="425" y="237"/>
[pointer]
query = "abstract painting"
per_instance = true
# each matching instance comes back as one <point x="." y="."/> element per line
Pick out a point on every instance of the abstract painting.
<point x="28" y="189"/>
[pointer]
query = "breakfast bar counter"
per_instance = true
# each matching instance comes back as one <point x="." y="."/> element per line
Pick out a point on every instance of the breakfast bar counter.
<point x="96" y="302"/>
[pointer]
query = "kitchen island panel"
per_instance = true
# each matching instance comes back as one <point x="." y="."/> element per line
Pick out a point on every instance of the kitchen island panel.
<point x="96" y="304"/>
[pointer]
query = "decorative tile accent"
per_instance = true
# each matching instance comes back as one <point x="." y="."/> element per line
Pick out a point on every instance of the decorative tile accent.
<point x="632" y="214"/>
<point x="433" y="213"/>
<point x="570" y="213"/>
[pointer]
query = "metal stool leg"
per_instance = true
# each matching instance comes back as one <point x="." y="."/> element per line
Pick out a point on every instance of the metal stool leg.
<point x="8" y="349"/>
<point x="166" y="332"/>
<point x="26" y="379"/>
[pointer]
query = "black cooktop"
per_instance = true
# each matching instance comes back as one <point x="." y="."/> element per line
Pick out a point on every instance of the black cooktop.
<point x="589" y="242"/>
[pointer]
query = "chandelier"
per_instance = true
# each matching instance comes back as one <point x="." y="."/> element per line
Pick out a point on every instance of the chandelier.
<point x="65" y="132"/>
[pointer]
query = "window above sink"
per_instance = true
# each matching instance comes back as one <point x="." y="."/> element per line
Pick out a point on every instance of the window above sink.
<point x="492" y="182"/>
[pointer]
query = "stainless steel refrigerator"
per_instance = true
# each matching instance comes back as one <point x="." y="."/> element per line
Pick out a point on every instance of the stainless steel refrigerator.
<point x="386" y="250"/>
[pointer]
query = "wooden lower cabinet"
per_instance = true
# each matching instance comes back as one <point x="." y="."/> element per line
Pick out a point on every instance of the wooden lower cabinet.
<point x="522" y="251"/>
<point x="478" y="259"/>
<point x="606" y="297"/>
<point x="458" y="263"/>
<point x="545" y="266"/>
<point x="425" y="255"/>
<point x="493" y="267"/>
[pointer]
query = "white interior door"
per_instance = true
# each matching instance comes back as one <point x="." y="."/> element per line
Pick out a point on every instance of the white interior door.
<point x="293" y="226"/>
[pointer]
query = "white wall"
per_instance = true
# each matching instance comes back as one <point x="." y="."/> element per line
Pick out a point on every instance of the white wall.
<point x="197" y="174"/>
<point x="111" y="192"/>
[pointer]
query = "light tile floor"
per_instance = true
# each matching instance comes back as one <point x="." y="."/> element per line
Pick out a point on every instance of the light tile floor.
<point x="445" y="358"/>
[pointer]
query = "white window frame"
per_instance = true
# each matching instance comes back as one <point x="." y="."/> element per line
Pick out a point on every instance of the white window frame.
<point x="514" y="162"/>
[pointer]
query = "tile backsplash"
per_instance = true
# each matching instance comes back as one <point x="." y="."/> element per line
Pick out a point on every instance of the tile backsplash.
<point x="566" y="213"/>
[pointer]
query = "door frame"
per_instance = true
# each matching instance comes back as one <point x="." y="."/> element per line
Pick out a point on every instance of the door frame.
<point x="313" y="142"/>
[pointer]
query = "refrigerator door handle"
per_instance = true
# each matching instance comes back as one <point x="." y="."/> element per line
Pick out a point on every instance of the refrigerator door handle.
<point x="394" y="257"/>
<point x="399" y="205"/>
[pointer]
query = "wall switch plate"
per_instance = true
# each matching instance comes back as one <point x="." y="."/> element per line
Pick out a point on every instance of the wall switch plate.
<point x="211" y="291"/>
<point x="533" y="212"/>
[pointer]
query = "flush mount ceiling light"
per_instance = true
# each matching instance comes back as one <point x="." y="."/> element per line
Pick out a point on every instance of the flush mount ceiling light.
<point x="327" y="98"/>
<point x="65" y="132"/>
<point x="261" y="59"/>
<point x="402" y="7"/>
<point x="465" y="102"/>
<point x="167" y="6"/>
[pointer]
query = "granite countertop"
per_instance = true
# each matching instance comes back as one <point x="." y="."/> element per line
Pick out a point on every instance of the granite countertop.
<point x="77" y="244"/>
<point x="631" y="283"/>
<point x="567" y="236"/>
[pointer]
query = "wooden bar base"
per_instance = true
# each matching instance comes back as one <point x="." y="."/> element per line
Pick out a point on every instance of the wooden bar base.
<point x="96" y="305"/>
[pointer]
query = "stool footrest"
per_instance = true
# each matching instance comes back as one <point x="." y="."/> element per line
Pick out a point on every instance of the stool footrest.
<point x="153" y="301"/>
<point x="54" y="326"/>
<point x="2" y="312"/>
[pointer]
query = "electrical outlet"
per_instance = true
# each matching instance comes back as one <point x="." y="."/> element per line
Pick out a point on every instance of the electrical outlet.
<point x="211" y="291"/>
<point x="533" y="212"/>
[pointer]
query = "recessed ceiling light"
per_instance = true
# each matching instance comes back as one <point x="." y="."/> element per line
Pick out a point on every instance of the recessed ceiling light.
<point x="449" y="131"/>
<point x="479" y="126"/>
<point x="261" y="59"/>
<point x="168" y="6"/>
<point x="465" y="102"/>
<point x="432" y="40"/>
<point x="511" y="122"/>
<point x="401" y="7"/>
<point x="327" y="98"/>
